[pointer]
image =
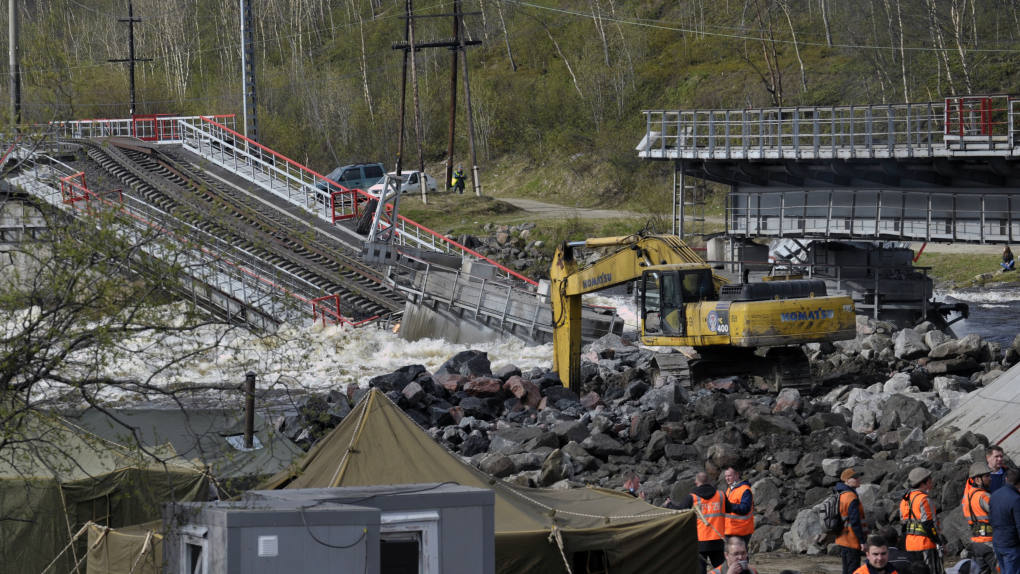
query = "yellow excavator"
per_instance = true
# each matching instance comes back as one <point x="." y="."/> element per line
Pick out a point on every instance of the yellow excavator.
<point x="722" y="328"/>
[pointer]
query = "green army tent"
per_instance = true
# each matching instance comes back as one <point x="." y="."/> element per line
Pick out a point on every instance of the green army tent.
<point x="537" y="530"/>
<point x="54" y="481"/>
<point x="213" y="436"/>
<point x="130" y="550"/>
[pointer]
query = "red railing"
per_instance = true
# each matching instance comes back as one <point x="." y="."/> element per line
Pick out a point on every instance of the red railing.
<point x="977" y="116"/>
<point x="76" y="193"/>
<point x="356" y="192"/>
<point x="352" y="194"/>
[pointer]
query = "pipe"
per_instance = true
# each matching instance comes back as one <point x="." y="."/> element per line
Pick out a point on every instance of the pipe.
<point x="249" y="409"/>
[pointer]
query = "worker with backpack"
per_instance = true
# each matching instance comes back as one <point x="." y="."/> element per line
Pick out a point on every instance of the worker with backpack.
<point x="843" y="516"/>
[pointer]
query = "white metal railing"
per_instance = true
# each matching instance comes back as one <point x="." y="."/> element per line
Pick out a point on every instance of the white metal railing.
<point x="206" y="259"/>
<point x="300" y="186"/>
<point x="932" y="129"/>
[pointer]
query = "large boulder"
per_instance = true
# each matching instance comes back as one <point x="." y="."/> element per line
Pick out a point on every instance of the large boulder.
<point x="602" y="445"/>
<point x="714" y="407"/>
<point x="901" y="410"/>
<point x="935" y="338"/>
<point x="909" y="345"/>
<point x="555" y="468"/>
<point x="762" y="426"/>
<point x="864" y="420"/>
<point x="788" y="400"/>
<point x="899" y="382"/>
<point x="821" y="421"/>
<point x="469" y="363"/>
<point x="723" y="455"/>
<point x="656" y="445"/>
<point x="670" y="394"/>
<point x="483" y="387"/>
<point x="969" y="346"/>
<point x="806" y="533"/>
<point x="568" y="431"/>
<point x="763" y="491"/>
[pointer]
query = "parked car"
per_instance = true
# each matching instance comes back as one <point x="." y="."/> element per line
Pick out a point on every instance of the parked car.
<point x="360" y="176"/>
<point x="411" y="183"/>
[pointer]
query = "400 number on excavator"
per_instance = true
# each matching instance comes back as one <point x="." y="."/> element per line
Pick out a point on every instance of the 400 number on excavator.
<point x="727" y="329"/>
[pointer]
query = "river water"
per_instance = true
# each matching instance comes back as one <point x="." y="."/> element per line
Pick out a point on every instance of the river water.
<point x="994" y="312"/>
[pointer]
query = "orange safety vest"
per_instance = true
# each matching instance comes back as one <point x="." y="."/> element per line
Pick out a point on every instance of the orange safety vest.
<point x="864" y="569"/>
<point x="915" y="510"/>
<point x="739" y="524"/>
<point x="980" y="522"/>
<point x="718" y="569"/>
<point x="712" y="509"/>
<point x="848" y="538"/>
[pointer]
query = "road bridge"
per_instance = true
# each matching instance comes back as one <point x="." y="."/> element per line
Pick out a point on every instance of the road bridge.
<point x="934" y="171"/>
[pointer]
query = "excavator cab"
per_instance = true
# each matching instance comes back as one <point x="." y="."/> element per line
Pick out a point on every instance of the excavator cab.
<point x="663" y="295"/>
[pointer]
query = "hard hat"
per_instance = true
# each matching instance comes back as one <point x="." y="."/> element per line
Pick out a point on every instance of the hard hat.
<point x="978" y="469"/>
<point x="460" y="167"/>
<point x="918" y="475"/>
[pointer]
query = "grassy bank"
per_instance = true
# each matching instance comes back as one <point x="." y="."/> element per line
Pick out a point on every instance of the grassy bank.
<point x="962" y="269"/>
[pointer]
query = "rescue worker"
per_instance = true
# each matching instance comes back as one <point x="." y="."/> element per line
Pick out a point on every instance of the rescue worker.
<point x="923" y="536"/>
<point x="740" y="516"/>
<point x="978" y="512"/>
<point x="855" y="527"/>
<point x="878" y="558"/>
<point x="632" y="484"/>
<point x="736" y="558"/>
<point x="903" y="562"/>
<point x="458" y="180"/>
<point x="711" y="522"/>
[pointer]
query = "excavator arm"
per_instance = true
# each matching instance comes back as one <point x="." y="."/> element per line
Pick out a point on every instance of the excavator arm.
<point x="569" y="283"/>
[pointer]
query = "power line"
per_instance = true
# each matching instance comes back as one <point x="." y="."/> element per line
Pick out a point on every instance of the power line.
<point x="91" y="9"/>
<point x="678" y="28"/>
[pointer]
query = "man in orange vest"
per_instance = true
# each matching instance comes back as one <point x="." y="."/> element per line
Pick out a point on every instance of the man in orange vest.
<point x="977" y="510"/>
<point x="878" y="558"/>
<point x="713" y="506"/>
<point x="736" y="558"/>
<point x="920" y="524"/>
<point x="855" y="527"/>
<point x="740" y="516"/>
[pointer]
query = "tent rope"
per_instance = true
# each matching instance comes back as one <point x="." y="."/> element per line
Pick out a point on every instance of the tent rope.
<point x="74" y="538"/>
<point x="608" y="518"/>
<point x="558" y="538"/>
<point x="106" y="530"/>
<point x="701" y="517"/>
<point x="145" y="547"/>
<point x="354" y="438"/>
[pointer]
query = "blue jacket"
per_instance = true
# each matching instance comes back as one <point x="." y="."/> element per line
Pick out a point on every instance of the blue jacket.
<point x="1005" y="505"/>
<point x="746" y="501"/>
<point x="998" y="480"/>
<point x="853" y="512"/>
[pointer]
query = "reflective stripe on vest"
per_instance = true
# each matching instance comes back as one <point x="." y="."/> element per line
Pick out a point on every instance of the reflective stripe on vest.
<point x="911" y="509"/>
<point x="712" y="510"/>
<point x="739" y="524"/>
<point x="980" y="522"/>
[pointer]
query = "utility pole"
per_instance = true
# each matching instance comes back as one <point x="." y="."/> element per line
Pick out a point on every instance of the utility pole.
<point x="15" y="66"/>
<point x="453" y="101"/>
<point x="131" y="51"/>
<point x="455" y="44"/>
<point x="467" y="104"/>
<point x="417" y="107"/>
<point x="403" y="95"/>
<point x="251" y="124"/>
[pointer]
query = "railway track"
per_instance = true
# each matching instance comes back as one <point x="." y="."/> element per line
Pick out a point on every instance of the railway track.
<point x="181" y="189"/>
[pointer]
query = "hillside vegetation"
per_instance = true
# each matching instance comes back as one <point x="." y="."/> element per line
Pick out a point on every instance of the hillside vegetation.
<point x="557" y="87"/>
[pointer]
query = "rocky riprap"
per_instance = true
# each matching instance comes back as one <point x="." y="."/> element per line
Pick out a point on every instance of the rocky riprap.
<point x="510" y="245"/>
<point x="878" y="395"/>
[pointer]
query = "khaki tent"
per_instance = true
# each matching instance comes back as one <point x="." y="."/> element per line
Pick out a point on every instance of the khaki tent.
<point x="58" y="480"/>
<point x="132" y="549"/>
<point x="537" y="530"/>
<point x="213" y="436"/>
<point x="991" y="411"/>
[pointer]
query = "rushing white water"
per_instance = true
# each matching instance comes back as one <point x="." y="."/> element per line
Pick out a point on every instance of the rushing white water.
<point x="994" y="311"/>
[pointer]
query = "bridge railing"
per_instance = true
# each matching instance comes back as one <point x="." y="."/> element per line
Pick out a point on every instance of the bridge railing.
<point x="806" y="132"/>
<point x="205" y="258"/>
<point x="298" y="184"/>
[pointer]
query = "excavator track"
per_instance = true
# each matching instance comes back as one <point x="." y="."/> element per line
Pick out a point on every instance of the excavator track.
<point x="781" y="367"/>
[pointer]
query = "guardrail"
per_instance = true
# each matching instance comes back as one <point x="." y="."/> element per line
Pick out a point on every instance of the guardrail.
<point x="210" y="260"/>
<point x="930" y="129"/>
